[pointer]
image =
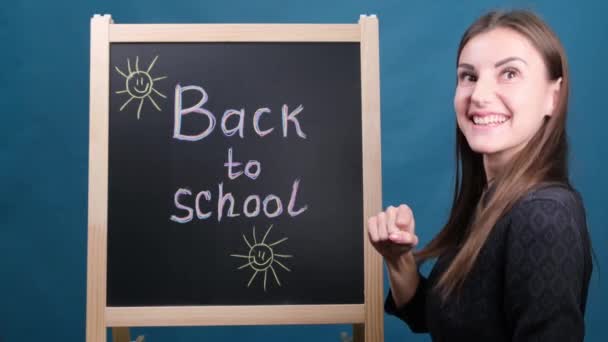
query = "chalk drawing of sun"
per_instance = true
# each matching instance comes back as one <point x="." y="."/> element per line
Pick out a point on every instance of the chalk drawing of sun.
<point x="139" y="85"/>
<point x="262" y="257"/>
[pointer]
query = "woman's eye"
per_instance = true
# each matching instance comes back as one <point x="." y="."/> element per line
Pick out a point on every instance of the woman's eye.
<point x="510" y="74"/>
<point x="467" y="77"/>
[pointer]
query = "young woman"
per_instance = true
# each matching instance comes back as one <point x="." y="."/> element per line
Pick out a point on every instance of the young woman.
<point x="513" y="260"/>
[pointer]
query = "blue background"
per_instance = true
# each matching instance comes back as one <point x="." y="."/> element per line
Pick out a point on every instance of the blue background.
<point x="44" y="95"/>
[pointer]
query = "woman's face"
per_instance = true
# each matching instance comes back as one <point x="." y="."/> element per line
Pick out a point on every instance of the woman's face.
<point x="503" y="92"/>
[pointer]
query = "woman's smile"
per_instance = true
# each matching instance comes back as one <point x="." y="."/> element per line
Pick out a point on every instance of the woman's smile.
<point x="487" y="120"/>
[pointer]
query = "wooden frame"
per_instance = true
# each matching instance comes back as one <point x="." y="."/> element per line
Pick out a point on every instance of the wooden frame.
<point x="367" y="317"/>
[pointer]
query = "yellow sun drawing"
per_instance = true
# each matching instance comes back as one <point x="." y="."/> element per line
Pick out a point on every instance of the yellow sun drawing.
<point x="139" y="85"/>
<point x="261" y="258"/>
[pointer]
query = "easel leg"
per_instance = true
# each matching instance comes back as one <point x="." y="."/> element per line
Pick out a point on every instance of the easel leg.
<point x="358" y="332"/>
<point x="121" y="334"/>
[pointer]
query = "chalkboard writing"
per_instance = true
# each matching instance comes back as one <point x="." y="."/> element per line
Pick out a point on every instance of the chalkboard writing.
<point x="235" y="174"/>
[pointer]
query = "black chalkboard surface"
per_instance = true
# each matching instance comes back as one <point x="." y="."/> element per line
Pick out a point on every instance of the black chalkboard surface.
<point x="235" y="174"/>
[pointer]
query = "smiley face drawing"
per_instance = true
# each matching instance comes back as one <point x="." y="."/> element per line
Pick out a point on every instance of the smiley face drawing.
<point x="139" y="84"/>
<point x="262" y="258"/>
<point x="139" y="80"/>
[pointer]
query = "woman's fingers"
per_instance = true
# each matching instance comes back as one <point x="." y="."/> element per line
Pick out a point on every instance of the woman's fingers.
<point x="392" y="231"/>
<point x="405" y="219"/>
<point x="372" y="228"/>
<point x="404" y="238"/>
<point x="391" y="217"/>
<point x="382" y="231"/>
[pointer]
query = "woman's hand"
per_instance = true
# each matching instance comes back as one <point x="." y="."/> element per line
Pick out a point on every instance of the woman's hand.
<point x="392" y="232"/>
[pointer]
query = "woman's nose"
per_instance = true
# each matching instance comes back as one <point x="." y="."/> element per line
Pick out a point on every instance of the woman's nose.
<point x="483" y="93"/>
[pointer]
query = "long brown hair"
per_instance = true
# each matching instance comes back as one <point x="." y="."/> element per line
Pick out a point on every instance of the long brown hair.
<point x="543" y="159"/>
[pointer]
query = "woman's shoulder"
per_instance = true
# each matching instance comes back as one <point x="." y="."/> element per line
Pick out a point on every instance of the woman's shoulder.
<point x="548" y="207"/>
<point x="557" y="196"/>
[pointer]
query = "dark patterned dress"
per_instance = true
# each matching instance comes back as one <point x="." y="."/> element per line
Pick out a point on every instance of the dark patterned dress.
<point x="529" y="282"/>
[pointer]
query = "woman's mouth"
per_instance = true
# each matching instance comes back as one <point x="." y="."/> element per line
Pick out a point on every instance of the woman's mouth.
<point x="491" y="120"/>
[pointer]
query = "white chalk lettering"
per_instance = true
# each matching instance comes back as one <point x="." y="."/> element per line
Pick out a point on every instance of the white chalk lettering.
<point x="256" y="212"/>
<point x="232" y="174"/>
<point x="256" y="122"/>
<point x="222" y="198"/>
<point x="198" y="108"/>
<point x="239" y="126"/>
<point x="258" y="169"/>
<point x="271" y="206"/>
<point x="279" y="206"/>
<point x="292" y="200"/>
<point x="187" y="218"/>
<point x="230" y="164"/>
<point x="292" y="117"/>
<point x="200" y="215"/>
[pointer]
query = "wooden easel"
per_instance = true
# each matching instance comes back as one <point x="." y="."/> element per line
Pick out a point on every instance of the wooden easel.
<point x="366" y="317"/>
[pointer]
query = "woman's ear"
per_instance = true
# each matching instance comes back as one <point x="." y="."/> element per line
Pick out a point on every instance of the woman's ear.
<point x="553" y="96"/>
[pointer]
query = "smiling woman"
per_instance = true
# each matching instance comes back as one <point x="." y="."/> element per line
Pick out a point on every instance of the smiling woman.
<point x="493" y="88"/>
<point x="514" y="258"/>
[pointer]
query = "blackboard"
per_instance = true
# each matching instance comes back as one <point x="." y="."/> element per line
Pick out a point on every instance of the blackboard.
<point x="309" y="94"/>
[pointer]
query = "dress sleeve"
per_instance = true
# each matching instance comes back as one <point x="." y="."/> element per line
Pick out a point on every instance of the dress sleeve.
<point x="544" y="273"/>
<point x="413" y="313"/>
